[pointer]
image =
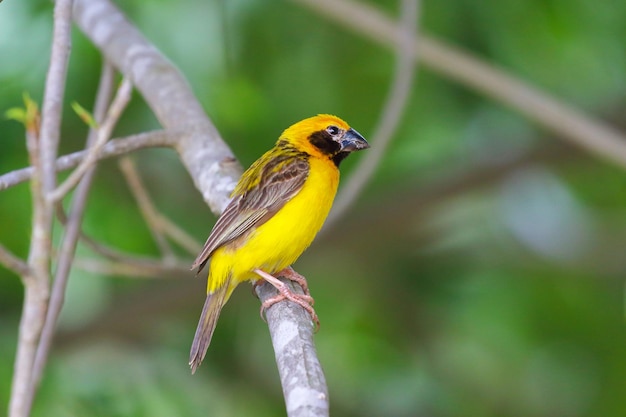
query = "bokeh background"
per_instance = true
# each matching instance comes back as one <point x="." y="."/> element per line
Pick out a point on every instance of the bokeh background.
<point x="481" y="273"/>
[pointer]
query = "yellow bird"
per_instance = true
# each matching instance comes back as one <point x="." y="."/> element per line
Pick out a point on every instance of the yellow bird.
<point x="276" y="209"/>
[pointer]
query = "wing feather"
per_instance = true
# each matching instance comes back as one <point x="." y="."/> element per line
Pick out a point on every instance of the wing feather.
<point x="280" y="180"/>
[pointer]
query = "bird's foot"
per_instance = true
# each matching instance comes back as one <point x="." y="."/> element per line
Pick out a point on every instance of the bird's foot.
<point x="292" y="275"/>
<point x="285" y="293"/>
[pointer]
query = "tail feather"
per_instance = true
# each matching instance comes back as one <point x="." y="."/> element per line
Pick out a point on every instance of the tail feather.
<point x="210" y="313"/>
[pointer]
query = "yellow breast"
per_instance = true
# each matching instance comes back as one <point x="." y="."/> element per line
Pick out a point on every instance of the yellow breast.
<point x="281" y="240"/>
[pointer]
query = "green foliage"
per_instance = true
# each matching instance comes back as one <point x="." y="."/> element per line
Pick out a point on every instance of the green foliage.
<point x="27" y="115"/>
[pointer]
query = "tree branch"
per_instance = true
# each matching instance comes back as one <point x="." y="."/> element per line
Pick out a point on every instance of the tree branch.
<point x="564" y="121"/>
<point x="207" y="158"/>
<point x="301" y="375"/>
<point x="103" y="134"/>
<point x="72" y="230"/>
<point x="135" y="267"/>
<point x="14" y="263"/>
<point x="160" y="226"/>
<point x="115" y="147"/>
<point x="395" y="105"/>
<point x="147" y="209"/>
<point x="179" y="236"/>
<point x="52" y="108"/>
<point x="42" y="153"/>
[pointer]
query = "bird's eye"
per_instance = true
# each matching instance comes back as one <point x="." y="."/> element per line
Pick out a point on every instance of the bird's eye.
<point x="333" y="130"/>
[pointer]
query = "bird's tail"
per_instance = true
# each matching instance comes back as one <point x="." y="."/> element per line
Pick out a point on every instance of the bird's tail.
<point x="210" y="313"/>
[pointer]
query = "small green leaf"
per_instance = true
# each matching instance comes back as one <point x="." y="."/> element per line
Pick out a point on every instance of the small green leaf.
<point x="28" y="115"/>
<point x="16" y="113"/>
<point x="85" y="115"/>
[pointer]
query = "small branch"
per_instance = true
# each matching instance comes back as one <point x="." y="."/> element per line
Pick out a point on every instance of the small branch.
<point x="301" y="375"/>
<point x="14" y="263"/>
<point x="160" y="226"/>
<point x="104" y="133"/>
<point x="135" y="268"/>
<point x="564" y="121"/>
<point x="52" y="108"/>
<point x="117" y="257"/>
<point x="42" y="153"/>
<point x="395" y="106"/>
<point x="412" y="204"/>
<point x="115" y="147"/>
<point x="147" y="209"/>
<point x="72" y="232"/>
<point x="209" y="161"/>
<point x="178" y="235"/>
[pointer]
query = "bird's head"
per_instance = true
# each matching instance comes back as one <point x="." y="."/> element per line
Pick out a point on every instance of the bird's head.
<point x="324" y="136"/>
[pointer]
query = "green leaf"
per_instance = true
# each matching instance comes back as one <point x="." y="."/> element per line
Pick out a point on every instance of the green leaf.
<point x="16" y="113"/>
<point x="85" y="115"/>
<point x="28" y="115"/>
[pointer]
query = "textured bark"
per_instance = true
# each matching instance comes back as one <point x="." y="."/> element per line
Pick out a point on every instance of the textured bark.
<point x="301" y="375"/>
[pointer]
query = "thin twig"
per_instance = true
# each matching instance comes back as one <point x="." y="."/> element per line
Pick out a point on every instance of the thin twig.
<point x="52" y="109"/>
<point x="159" y="225"/>
<point x="411" y="203"/>
<point x="115" y="256"/>
<point x="115" y="147"/>
<point x="106" y="251"/>
<point x="147" y="209"/>
<point x="72" y="231"/>
<point x="135" y="268"/>
<point x="119" y="261"/>
<point x="122" y="97"/>
<point x="12" y="262"/>
<point x="564" y="121"/>
<point x="394" y="108"/>
<point x="178" y="235"/>
<point x="42" y="154"/>
<point x="35" y="291"/>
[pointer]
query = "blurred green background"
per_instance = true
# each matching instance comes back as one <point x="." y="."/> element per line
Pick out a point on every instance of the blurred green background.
<point x="480" y="274"/>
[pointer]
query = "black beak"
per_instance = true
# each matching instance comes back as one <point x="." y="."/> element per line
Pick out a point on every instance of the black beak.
<point x="353" y="141"/>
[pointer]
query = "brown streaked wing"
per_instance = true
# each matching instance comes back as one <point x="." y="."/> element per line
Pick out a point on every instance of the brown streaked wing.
<point x="256" y="206"/>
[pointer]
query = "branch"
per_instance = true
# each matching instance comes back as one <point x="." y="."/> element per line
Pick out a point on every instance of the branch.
<point x="564" y="121"/>
<point x="395" y="105"/>
<point x="72" y="230"/>
<point x="14" y="263"/>
<point x="301" y="375"/>
<point x="42" y="153"/>
<point x="115" y="147"/>
<point x="209" y="161"/>
<point x="52" y="108"/>
<point x="412" y="204"/>
<point x="159" y="225"/>
<point x="104" y="132"/>
<point x="178" y="235"/>
<point x="148" y="211"/>
<point x="135" y="267"/>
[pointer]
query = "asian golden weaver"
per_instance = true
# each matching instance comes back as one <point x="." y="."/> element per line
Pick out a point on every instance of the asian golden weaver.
<point x="277" y="208"/>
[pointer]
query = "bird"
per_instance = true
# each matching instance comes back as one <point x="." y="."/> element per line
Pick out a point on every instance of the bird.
<point x="276" y="209"/>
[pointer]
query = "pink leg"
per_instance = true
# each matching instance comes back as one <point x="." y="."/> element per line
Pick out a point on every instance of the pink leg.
<point x="292" y="275"/>
<point x="303" y="300"/>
